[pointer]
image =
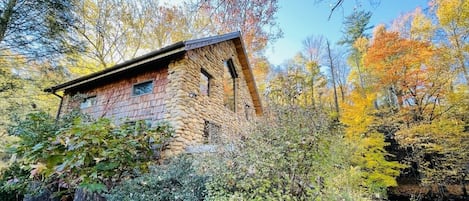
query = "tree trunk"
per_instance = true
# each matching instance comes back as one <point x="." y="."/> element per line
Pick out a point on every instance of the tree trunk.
<point x="336" y="102"/>
<point x="83" y="195"/>
<point x="6" y="17"/>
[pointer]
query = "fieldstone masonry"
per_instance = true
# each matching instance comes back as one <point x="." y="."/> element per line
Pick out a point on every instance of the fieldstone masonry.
<point x="188" y="114"/>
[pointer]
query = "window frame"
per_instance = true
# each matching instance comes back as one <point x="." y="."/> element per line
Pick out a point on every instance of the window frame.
<point x="229" y="65"/>
<point x="211" y="133"/>
<point x="91" y="100"/>
<point x="142" y="83"/>
<point x="209" y="77"/>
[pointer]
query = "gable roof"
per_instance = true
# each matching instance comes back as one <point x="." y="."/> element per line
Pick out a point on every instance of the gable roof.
<point x="168" y="52"/>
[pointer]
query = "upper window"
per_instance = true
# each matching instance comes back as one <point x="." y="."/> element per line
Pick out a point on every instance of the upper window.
<point x="205" y="82"/>
<point x="142" y="88"/>
<point x="229" y="85"/>
<point x="88" y="102"/>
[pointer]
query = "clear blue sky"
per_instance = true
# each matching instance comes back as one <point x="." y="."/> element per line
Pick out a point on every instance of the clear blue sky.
<point x="299" y="19"/>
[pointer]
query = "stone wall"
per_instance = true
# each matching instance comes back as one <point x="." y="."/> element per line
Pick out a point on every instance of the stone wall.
<point x="115" y="99"/>
<point x="188" y="113"/>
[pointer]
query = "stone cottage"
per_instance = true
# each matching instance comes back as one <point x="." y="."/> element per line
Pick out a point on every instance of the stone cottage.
<point x="198" y="86"/>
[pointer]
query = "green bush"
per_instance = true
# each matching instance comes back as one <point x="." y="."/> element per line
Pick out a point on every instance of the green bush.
<point x="79" y="152"/>
<point x="12" y="183"/>
<point x="178" y="180"/>
<point x="299" y="154"/>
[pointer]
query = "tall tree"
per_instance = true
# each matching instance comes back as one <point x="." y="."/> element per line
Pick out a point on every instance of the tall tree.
<point x="355" y="38"/>
<point x="255" y="19"/>
<point x="333" y="77"/>
<point x="113" y="31"/>
<point x="355" y="26"/>
<point x="35" y="29"/>
<point x="313" y="47"/>
<point x="453" y="18"/>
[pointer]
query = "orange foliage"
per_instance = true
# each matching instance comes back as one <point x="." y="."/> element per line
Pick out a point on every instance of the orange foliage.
<point x="399" y="63"/>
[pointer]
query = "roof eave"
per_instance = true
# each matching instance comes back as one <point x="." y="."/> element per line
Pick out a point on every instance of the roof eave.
<point x="249" y="76"/>
<point x="152" y="56"/>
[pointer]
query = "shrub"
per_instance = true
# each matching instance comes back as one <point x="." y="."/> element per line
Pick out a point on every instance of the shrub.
<point x="177" y="180"/>
<point x="79" y="152"/>
<point x="12" y="183"/>
<point x="299" y="154"/>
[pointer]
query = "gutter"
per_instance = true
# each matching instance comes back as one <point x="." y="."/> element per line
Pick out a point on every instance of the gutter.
<point x="60" y="106"/>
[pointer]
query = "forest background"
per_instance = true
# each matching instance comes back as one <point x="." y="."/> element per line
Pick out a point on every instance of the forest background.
<point x="394" y="97"/>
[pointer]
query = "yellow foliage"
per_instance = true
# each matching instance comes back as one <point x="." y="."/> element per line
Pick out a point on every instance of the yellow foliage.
<point x="452" y="11"/>
<point x="445" y="135"/>
<point x="421" y="27"/>
<point x="361" y="44"/>
<point x="357" y="114"/>
<point x="369" y="145"/>
<point x="81" y="66"/>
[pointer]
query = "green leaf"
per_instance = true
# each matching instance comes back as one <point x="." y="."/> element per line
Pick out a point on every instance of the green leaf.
<point x="104" y="166"/>
<point x="94" y="187"/>
<point x="37" y="147"/>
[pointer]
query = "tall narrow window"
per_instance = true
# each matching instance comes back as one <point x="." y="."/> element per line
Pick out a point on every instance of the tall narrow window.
<point x="229" y="85"/>
<point x="205" y="83"/>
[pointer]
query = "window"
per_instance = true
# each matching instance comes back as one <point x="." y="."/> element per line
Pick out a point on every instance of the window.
<point x="229" y="85"/>
<point x="247" y="110"/>
<point x="88" y="102"/>
<point x="139" y="124"/>
<point x="205" y="83"/>
<point x="211" y="133"/>
<point x="142" y="88"/>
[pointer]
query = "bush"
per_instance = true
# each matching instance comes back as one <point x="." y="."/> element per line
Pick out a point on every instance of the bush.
<point x="12" y="183"/>
<point x="299" y="154"/>
<point x="177" y="180"/>
<point x="79" y="152"/>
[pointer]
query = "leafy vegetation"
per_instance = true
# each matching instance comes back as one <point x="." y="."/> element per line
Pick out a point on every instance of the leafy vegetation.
<point x="78" y="152"/>
<point x="177" y="180"/>
<point x="300" y="155"/>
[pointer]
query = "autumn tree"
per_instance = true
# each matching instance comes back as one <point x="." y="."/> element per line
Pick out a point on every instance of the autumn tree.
<point x="412" y="81"/>
<point x="355" y="38"/>
<point x="452" y="16"/>
<point x="435" y="128"/>
<point x="255" y="19"/>
<point x="313" y="48"/>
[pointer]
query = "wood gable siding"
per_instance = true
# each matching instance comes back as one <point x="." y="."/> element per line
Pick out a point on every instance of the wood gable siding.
<point x="114" y="99"/>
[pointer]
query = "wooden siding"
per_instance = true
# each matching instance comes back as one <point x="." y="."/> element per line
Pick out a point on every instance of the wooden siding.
<point x="115" y="99"/>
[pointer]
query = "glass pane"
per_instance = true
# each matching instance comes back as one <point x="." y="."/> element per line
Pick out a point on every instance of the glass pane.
<point x="204" y="84"/>
<point x="88" y="102"/>
<point x="229" y="87"/>
<point x="143" y="88"/>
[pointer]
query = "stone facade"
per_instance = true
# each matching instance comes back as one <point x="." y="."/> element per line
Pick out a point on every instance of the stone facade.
<point x="189" y="114"/>
<point x="176" y="96"/>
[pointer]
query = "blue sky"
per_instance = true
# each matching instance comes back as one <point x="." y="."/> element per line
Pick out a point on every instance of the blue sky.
<point x="299" y="19"/>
